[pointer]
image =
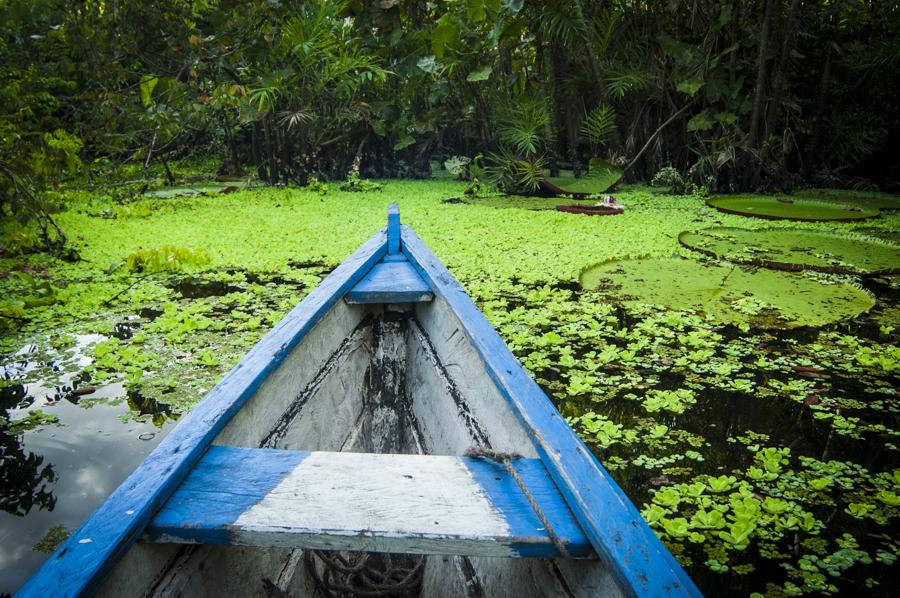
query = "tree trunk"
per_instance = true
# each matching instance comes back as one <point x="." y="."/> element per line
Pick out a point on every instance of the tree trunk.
<point x="256" y="152"/>
<point x="735" y="39"/>
<point x="762" y="74"/>
<point x="231" y="144"/>
<point x="546" y="86"/>
<point x="589" y="44"/>
<point x="270" y="150"/>
<point x="559" y="104"/>
<point x="778" y="80"/>
<point x="812" y="155"/>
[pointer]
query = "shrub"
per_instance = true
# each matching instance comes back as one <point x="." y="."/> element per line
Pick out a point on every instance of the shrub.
<point x="458" y="166"/>
<point x="672" y="180"/>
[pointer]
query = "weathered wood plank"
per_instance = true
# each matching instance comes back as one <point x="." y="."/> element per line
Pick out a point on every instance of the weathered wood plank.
<point x="415" y="504"/>
<point x="391" y="282"/>
<point x="640" y="562"/>
<point x="82" y="561"/>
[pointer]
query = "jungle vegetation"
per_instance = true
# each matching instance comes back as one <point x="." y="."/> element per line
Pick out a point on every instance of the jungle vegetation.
<point x="744" y="95"/>
<point x="726" y="343"/>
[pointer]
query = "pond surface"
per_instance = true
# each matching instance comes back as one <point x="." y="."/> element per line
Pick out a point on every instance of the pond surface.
<point x="57" y="474"/>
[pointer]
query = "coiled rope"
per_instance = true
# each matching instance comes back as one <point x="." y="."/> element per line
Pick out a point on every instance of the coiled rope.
<point x="349" y="574"/>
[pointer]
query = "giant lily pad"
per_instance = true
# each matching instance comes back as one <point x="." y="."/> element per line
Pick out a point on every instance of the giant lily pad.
<point x="600" y="177"/>
<point x="891" y="235"/>
<point x="785" y="208"/>
<point x="209" y="188"/>
<point x="729" y="294"/>
<point x="794" y="249"/>
<point x="867" y="199"/>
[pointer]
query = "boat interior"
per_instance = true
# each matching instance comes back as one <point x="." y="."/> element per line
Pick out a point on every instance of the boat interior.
<point x="401" y="386"/>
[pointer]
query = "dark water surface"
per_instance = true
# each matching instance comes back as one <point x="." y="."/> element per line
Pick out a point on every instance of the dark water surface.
<point x="59" y="474"/>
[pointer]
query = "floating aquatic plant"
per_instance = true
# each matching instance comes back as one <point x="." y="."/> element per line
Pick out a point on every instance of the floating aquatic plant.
<point x="786" y="208"/>
<point x="729" y="294"/>
<point x="208" y="188"/>
<point x="796" y="249"/>
<point x="166" y="258"/>
<point x="866" y="199"/>
<point x="600" y="177"/>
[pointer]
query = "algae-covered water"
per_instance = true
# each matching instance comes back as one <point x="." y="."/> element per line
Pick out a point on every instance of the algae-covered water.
<point x="764" y="450"/>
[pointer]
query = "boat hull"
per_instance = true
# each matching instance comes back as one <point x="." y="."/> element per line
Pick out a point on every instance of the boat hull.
<point x="364" y="366"/>
<point x="399" y="379"/>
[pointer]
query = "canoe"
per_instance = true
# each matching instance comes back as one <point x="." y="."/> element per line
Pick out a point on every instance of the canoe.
<point x="380" y="440"/>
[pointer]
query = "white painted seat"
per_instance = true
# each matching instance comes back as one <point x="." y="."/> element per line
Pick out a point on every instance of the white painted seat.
<point x="416" y="504"/>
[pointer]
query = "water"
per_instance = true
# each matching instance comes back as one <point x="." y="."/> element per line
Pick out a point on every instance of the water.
<point x="58" y="475"/>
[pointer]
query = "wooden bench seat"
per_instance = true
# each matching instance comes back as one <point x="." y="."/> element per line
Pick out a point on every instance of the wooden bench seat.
<point x="417" y="504"/>
<point x="390" y="281"/>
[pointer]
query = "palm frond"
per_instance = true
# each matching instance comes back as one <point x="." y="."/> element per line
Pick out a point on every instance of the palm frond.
<point x="560" y="26"/>
<point x="619" y="84"/>
<point x="599" y="125"/>
<point x="512" y="174"/>
<point x="521" y="126"/>
<point x="604" y="28"/>
<point x="290" y="120"/>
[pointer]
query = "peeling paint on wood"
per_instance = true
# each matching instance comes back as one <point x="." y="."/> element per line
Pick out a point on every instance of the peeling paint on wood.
<point x="416" y="504"/>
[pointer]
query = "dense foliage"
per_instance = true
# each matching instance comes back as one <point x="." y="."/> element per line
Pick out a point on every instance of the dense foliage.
<point x="738" y="377"/>
<point x="733" y="95"/>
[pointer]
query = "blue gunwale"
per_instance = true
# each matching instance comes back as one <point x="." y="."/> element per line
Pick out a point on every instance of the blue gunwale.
<point x="640" y="562"/>
<point x="80" y="564"/>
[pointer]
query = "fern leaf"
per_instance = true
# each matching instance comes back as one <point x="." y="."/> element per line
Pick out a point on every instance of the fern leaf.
<point x="599" y="125"/>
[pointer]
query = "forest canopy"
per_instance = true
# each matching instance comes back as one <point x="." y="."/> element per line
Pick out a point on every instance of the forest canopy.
<point x="759" y="95"/>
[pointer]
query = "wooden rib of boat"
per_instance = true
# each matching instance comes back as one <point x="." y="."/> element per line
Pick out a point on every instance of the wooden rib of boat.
<point x="383" y="416"/>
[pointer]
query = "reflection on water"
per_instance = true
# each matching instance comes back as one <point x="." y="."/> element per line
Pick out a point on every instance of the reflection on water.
<point x="25" y="481"/>
<point x="59" y="474"/>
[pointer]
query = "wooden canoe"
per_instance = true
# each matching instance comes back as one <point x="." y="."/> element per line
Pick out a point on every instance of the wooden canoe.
<point x="383" y="416"/>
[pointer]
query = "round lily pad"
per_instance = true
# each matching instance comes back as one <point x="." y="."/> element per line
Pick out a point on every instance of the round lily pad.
<point x="794" y="249"/>
<point x="729" y="294"/>
<point x="209" y="188"/>
<point x="785" y="208"/>
<point x="867" y="199"/>
<point x="600" y="177"/>
<point x="886" y="234"/>
<point x="590" y="210"/>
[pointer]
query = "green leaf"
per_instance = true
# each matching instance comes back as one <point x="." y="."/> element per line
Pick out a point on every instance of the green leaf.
<point x="677" y="527"/>
<point x="481" y="74"/>
<point x="727" y="118"/>
<point x="428" y="64"/>
<point x="476" y="11"/>
<point x="444" y="33"/>
<point x="599" y="124"/>
<point x="513" y="6"/>
<point x="708" y="520"/>
<point x="690" y="86"/>
<point x="405" y="141"/>
<point x="148" y="83"/>
<point x="701" y="122"/>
